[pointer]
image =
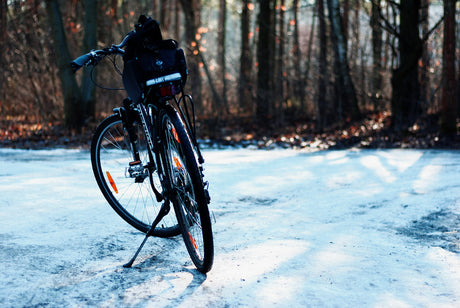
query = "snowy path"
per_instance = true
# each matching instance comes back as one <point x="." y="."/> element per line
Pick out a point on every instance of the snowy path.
<point x="335" y="228"/>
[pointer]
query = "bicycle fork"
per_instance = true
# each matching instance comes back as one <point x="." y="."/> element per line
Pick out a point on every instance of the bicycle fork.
<point x="128" y="118"/>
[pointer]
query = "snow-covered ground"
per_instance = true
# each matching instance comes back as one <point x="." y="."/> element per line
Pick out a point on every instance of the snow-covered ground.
<point x="354" y="228"/>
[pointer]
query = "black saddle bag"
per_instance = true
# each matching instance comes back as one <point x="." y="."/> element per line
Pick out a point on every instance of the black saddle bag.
<point x="153" y="67"/>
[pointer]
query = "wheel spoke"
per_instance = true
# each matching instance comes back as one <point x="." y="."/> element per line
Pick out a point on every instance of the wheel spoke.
<point x="133" y="200"/>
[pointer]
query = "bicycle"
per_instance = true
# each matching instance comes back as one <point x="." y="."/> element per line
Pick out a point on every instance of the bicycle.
<point x="145" y="156"/>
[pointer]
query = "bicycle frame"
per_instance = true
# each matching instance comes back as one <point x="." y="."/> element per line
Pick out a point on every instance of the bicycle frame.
<point x="147" y="120"/>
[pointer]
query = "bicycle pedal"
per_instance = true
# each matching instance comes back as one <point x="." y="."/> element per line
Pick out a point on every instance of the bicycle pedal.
<point x="136" y="170"/>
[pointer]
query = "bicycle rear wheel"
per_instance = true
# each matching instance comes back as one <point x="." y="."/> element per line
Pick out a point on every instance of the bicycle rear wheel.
<point x="129" y="189"/>
<point x="189" y="197"/>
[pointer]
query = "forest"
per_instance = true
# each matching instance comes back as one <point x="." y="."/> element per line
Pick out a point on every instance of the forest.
<point x="339" y="73"/>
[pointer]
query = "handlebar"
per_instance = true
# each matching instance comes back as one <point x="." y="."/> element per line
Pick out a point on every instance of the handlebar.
<point x="93" y="57"/>
<point x="82" y="60"/>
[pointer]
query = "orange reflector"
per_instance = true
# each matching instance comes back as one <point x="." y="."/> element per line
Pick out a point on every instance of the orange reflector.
<point x="176" y="136"/>
<point x="112" y="183"/>
<point x="192" y="240"/>
<point x="177" y="163"/>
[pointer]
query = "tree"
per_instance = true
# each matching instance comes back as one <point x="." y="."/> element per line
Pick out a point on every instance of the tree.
<point x="192" y="14"/>
<point x="458" y="82"/>
<point x="245" y="83"/>
<point x="264" y="56"/>
<point x="79" y="101"/>
<point x="302" y="88"/>
<point x="300" y="82"/>
<point x="425" y="60"/>
<point x="3" y="23"/>
<point x="345" y="19"/>
<point x="347" y="103"/>
<point x="165" y="15"/>
<point x="88" y="89"/>
<point x="222" y="50"/>
<point x="279" y="59"/>
<point x="321" y="101"/>
<point x="69" y="86"/>
<point x="376" y="53"/>
<point x="448" y="105"/>
<point x="405" y="106"/>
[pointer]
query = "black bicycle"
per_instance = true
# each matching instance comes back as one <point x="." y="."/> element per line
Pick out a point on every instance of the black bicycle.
<point x="145" y="155"/>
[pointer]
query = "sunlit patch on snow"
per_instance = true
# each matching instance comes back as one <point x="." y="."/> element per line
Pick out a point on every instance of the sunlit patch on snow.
<point x="337" y="157"/>
<point x="278" y="290"/>
<point x="427" y="176"/>
<point x="335" y="257"/>
<point x="257" y="185"/>
<point x="448" y="262"/>
<point x="374" y="163"/>
<point x="389" y="300"/>
<point x="251" y="263"/>
<point x="334" y="155"/>
<point x="246" y="156"/>
<point x="401" y="159"/>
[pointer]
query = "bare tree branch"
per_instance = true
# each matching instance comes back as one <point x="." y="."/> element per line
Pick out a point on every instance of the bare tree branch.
<point x="427" y="35"/>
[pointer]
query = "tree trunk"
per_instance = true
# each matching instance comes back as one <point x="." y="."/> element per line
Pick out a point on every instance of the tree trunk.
<point x="156" y="9"/>
<point x="3" y="20"/>
<point x="308" y="76"/>
<point x="425" y="61"/>
<point x="88" y="89"/>
<point x="356" y="54"/>
<point x="70" y="90"/>
<point x="348" y="103"/>
<point x="280" y="67"/>
<point x="458" y="69"/>
<point x="264" y="69"/>
<point x="405" y="105"/>
<point x="273" y="37"/>
<point x="164" y="15"/>
<point x="448" y="105"/>
<point x="3" y="31"/>
<point x="345" y="19"/>
<point x="221" y="50"/>
<point x="321" y="101"/>
<point x="176" y="19"/>
<point x="245" y="85"/>
<point x="192" y="14"/>
<point x="376" y="54"/>
<point x="299" y="78"/>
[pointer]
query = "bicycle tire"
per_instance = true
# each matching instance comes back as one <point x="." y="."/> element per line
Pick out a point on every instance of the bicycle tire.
<point x="132" y="199"/>
<point x="189" y="197"/>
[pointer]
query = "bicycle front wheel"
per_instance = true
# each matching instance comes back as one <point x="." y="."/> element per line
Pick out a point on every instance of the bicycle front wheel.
<point x="129" y="190"/>
<point x="188" y="194"/>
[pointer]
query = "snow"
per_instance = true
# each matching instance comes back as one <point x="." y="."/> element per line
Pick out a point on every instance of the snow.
<point x="352" y="228"/>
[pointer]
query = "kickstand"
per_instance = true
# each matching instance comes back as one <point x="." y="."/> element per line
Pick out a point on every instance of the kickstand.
<point x="162" y="213"/>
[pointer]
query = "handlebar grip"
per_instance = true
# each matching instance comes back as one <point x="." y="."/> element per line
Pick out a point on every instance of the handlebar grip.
<point x="81" y="61"/>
